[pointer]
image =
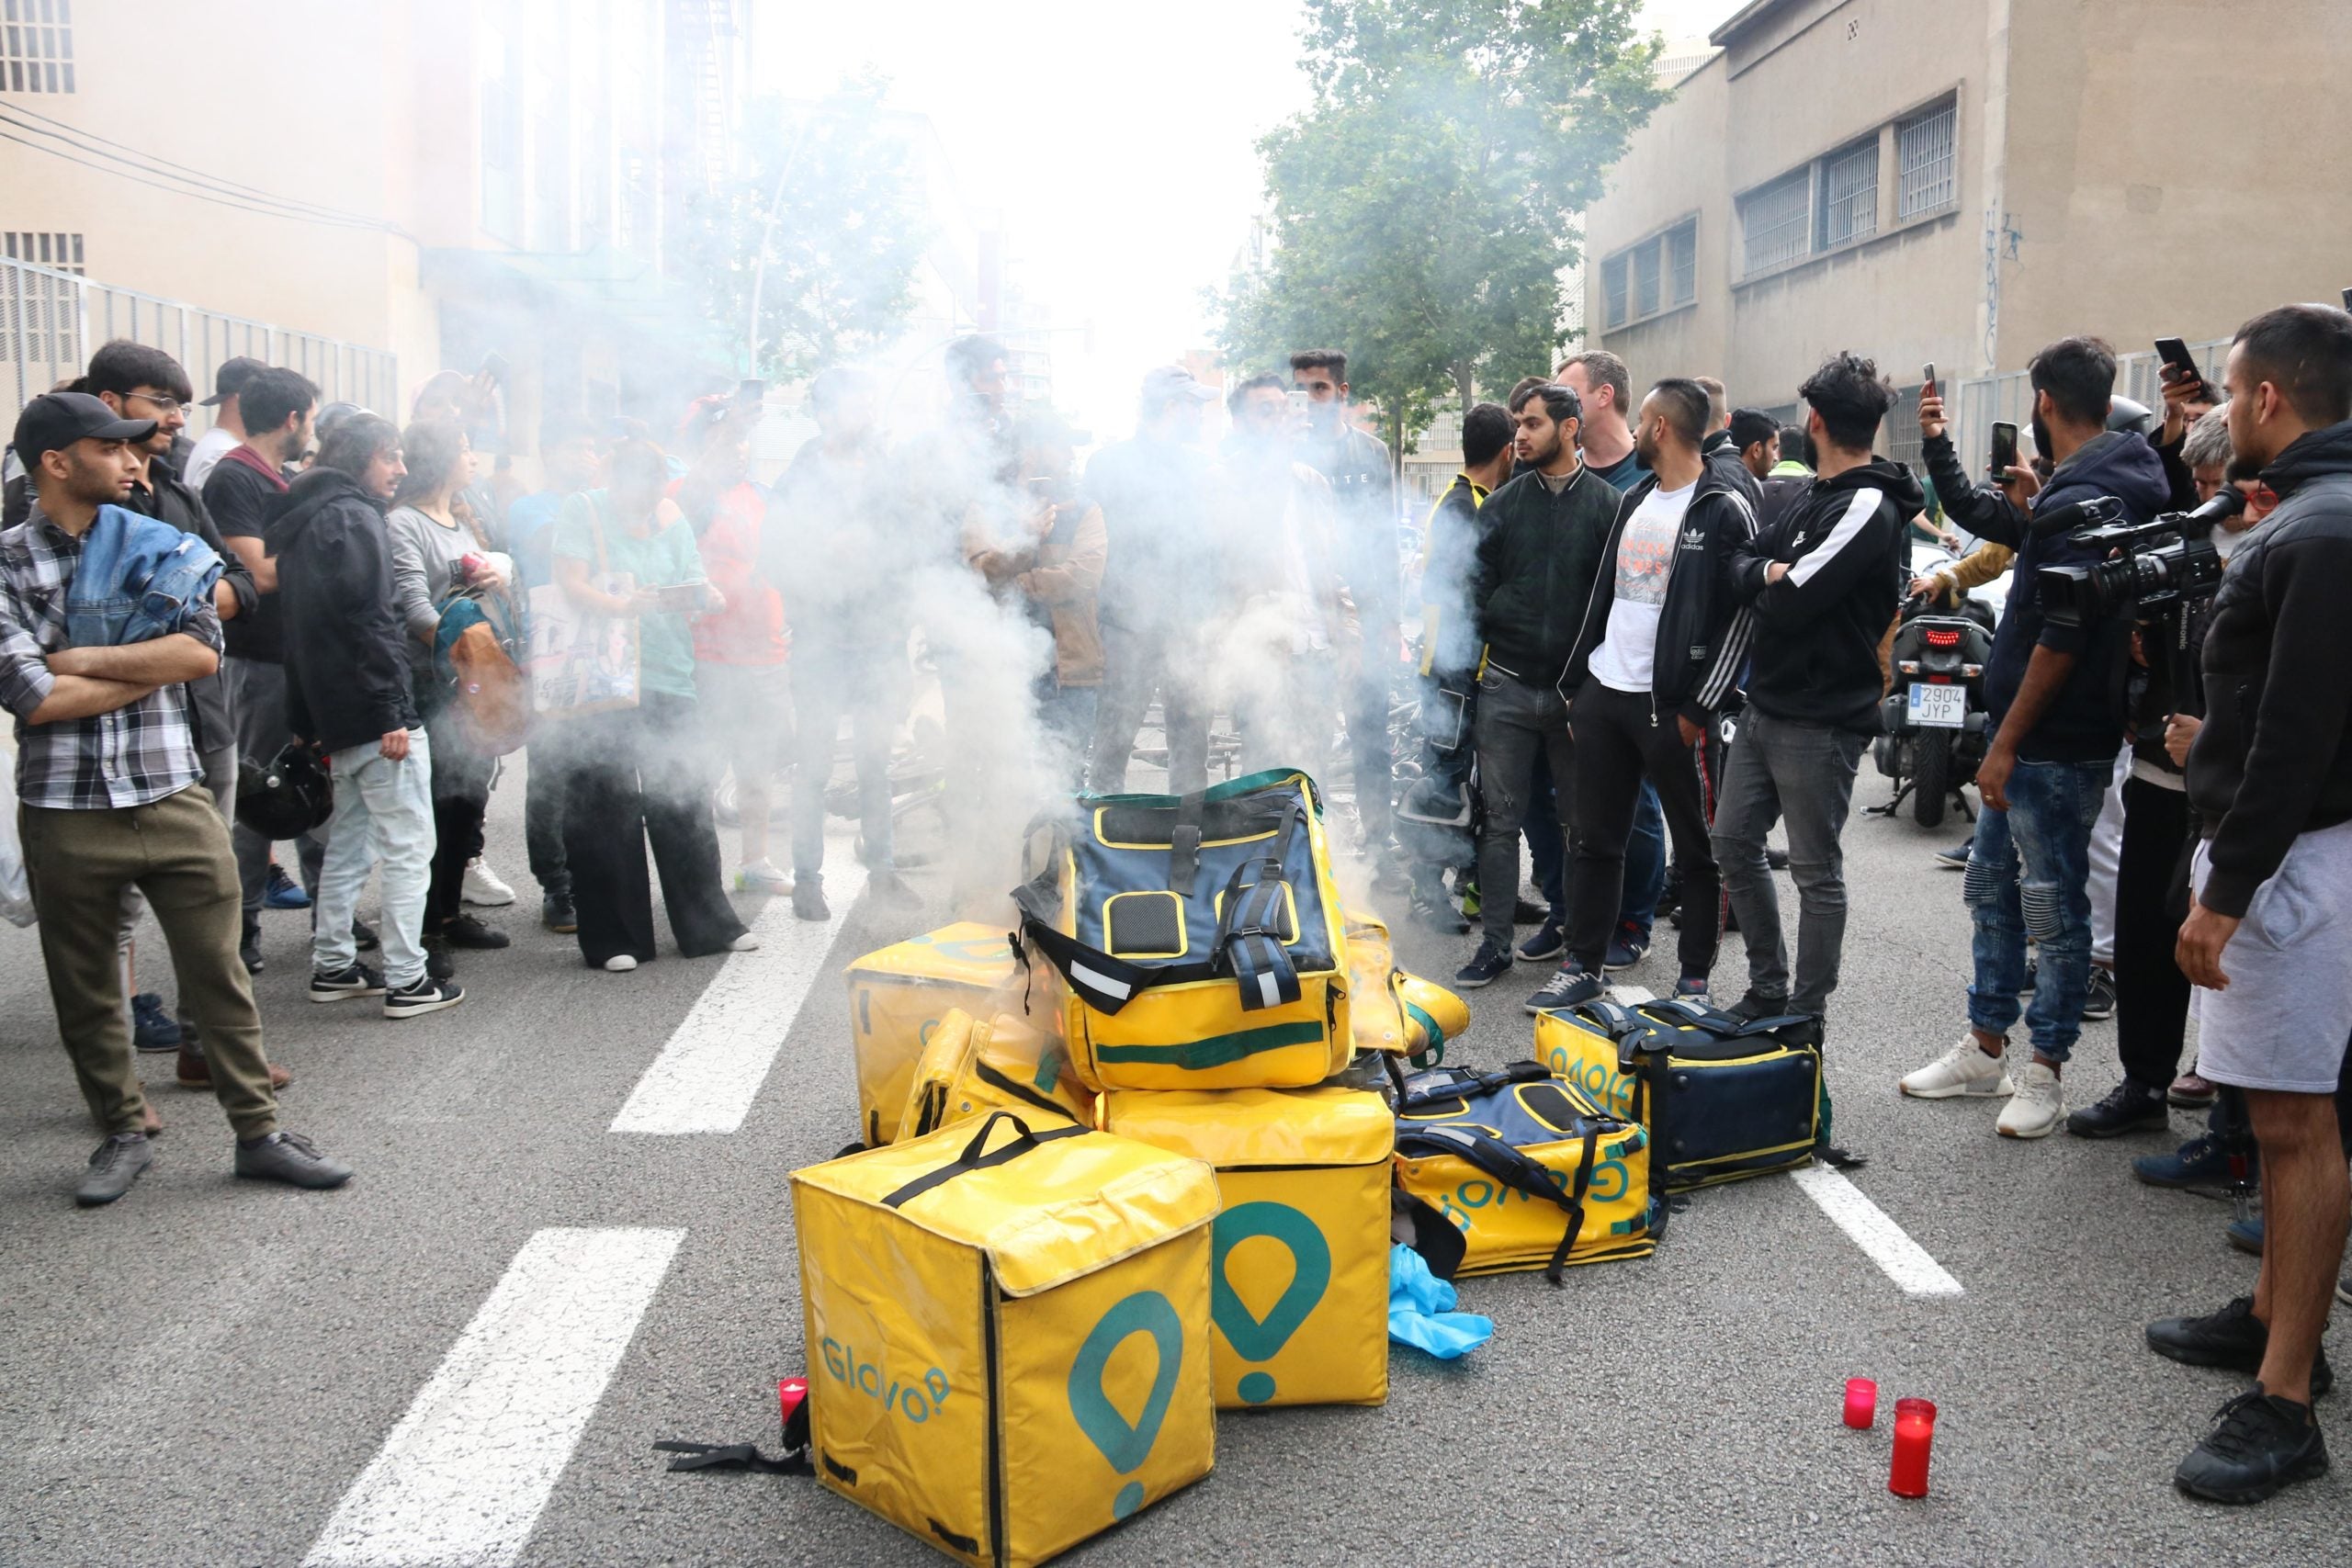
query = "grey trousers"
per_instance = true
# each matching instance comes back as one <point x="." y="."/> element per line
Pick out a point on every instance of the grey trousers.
<point x="1517" y="722"/>
<point x="1804" y="773"/>
<point x="257" y="689"/>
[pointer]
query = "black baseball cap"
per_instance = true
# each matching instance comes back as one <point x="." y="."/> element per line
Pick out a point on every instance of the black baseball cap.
<point x="231" y="378"/>
<point x="54" y="420"/>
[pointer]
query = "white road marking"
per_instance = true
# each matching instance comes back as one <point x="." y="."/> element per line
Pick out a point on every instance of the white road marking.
<point x="1903" y="1261"/>
<point x="461" y="1480"/>
<point x="1632" y="996"/>
<point x="711" y="1070"/>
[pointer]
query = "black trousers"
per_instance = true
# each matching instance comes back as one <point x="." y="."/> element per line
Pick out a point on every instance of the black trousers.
<point x="2150" y="901"/>
<point x="637" y="779"/>
<point x="461" y="782"/>
<point x="1619" y="739"/>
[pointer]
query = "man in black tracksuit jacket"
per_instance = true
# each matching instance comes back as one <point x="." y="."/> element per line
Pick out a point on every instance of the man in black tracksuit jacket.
<point x="1531" y="577"/>
<point x="2270" y="932"/>
<point x="1822" y="581"/>
<point x="1655" y="667"/>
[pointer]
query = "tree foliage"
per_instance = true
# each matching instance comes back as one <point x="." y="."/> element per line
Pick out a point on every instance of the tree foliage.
<point x="1425" y="204"/>
<point x="831" y="198"/>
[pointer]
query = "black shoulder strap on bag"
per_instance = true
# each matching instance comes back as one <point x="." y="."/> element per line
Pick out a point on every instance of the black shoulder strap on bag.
<point x="1249" y="942"/>
<point x="1108" y="984"/>
<point x="1005" y="1084"/>
<point x="1614" y="1020"/>
<point x="1185" y="844"/>
<point x="1459" y="1083"/>
<point x="1513" y="1169"/>
<point x="978" y="1155"/>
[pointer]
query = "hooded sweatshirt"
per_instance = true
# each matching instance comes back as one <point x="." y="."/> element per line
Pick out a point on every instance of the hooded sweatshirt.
<point x="346" y="650"/>
<point x="2273" y="759"/>
<point x="1815" y="650"/>
<point x="2084" y="722"/>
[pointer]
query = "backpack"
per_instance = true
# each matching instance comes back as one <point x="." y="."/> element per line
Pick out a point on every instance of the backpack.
<point x="474" y="653"/>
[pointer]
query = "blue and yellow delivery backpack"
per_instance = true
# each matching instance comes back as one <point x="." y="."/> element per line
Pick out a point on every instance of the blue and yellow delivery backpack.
<point x="1392" y="1011"/>
<point x="898" y="996"/>
<point x="1194" y="942"/>
<point x="1518" y="1168"/>
<point x="1298" y="1270"/>
<point x="1008" y="1332"/>
<point x="1723" y="1098"/>
<point x="970" y="1068"/>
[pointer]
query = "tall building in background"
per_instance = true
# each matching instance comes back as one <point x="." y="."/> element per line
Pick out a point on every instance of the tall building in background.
<point x="397" y="190"/>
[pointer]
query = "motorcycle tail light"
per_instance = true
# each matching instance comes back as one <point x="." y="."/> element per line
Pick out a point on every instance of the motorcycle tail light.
<point x="1949" y="638"/>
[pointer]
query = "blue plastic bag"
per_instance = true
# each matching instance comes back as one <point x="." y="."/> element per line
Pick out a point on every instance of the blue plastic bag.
<point x="1421" y="1310"/>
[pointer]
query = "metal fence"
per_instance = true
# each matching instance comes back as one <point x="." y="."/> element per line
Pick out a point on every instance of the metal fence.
<point x="51" y="322"/>
<point x="1984" y="401"/>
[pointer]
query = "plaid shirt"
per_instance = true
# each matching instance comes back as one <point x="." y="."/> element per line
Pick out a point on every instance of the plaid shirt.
<point x="129" y="757"/>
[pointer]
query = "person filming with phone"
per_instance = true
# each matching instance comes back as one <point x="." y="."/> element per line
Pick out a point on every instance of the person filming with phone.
<point x="2054" y="694"/>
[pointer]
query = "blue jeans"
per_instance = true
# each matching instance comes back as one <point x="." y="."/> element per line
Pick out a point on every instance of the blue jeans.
<point x="383" y="823"/>
<point x="2028" y="871"/>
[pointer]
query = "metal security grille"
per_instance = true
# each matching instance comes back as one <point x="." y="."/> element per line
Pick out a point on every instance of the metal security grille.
<point x="42" y="323"/>
<point x="1924" y="148"/>
<point x="1682" y="260"/>
<point x="36" y="46"/>
<point x="1774" y="222"/>
<point x="1613" y="286"/>
<point x="1849" y="195"/>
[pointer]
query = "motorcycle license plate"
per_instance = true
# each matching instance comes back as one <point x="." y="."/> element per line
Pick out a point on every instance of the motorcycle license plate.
<point x="1944" y="707"/>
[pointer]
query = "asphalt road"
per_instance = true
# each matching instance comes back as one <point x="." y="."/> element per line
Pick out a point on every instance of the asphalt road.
<point x="209" y="1371"/>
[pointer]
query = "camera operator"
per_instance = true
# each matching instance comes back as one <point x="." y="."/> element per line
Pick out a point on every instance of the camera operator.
<point x="2269" y="930"/>
<point x="2051" y="691"/>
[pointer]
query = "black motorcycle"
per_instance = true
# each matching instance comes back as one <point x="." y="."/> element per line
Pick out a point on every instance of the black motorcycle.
<point x="1933" y="722"/>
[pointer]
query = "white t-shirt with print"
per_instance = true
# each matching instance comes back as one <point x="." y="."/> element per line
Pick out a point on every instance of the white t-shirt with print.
<point x="1644" y="555"/>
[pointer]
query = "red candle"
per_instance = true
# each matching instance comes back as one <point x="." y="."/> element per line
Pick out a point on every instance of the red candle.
<point x="1915" y="1432"/>
<point x="789" y="1393"/>
<point x="1862" y="1403"/>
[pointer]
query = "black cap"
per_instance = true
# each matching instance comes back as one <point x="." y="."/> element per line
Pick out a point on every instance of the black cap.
<point x="54" y="420"/>
<point x="231" y="378"/>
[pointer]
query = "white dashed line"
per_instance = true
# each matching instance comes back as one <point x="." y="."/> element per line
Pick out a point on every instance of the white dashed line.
<point x="1903" y="1261"/>
<point x="711" y="1070"/>
<point x="463" y="1476"/>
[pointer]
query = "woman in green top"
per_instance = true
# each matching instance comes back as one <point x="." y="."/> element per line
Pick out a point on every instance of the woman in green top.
<point x="634" y="776"/>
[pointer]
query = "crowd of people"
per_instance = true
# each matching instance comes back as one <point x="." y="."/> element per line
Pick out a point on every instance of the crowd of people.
<point x="1651" y="631"/>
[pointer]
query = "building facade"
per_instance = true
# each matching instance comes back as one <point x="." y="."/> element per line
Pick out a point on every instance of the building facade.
<point x="1961" y="183"/>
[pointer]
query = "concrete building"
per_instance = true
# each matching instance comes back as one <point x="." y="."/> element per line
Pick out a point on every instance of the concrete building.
<point x="371" y="193"/>
<point x="1963" y="182"/>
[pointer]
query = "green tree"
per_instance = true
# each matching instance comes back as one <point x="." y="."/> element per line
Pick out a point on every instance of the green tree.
<point x="1425" y="204"/>
<point x="824" y="231"/>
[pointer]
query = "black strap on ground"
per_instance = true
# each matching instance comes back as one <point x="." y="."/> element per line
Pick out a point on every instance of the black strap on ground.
<point x="1837" y="1158"/>
<point x="733" y="1456"/>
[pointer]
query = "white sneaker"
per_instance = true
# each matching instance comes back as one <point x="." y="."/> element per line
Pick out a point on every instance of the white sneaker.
<point x="620" y="963"/>
<point x="1965" y="1069"/>
<point x="483" y="887"/>
<point x="747" y="943"/>
<point x="2037" y="1108"/>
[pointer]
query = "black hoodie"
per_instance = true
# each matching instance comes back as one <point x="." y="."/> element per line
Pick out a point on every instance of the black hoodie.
<point x="346" y="653"/>
<point x="1532" y="572"/>
<point x="1701" y="629"/>
<point x="2273" y="759"/>
<point x="1815" y="648"/>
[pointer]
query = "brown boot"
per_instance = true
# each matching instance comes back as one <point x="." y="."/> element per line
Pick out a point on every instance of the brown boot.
<point x="196" y="1072"/>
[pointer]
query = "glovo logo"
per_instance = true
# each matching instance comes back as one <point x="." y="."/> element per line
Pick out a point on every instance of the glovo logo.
<point x="909" y="1401"/>
<point x="1262" y="1338"/>
<point x="1603" y="1084"/>
<point x="1610" y="1181"/>
<point x="1126" y="1447"/>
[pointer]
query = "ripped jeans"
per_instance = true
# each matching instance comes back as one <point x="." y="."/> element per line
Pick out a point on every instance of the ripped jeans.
<point x="2028" y="872"/>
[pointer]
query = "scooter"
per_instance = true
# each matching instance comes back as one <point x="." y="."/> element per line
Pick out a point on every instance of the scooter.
<point x="1932" y="723"/>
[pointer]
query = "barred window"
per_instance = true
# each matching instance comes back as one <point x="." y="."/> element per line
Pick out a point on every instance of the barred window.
<point x="1924" y="147"/>
<point x="1776" y="221"/>
<point x="1849" y="195"/>
<point x="1613" y="289"/>
<point x="1682" y="260"/>
<point x="1645" y="278"/>
<point x="36" y="46"/>
<point x="41" y="316"/>
<point x="59" y="253"/>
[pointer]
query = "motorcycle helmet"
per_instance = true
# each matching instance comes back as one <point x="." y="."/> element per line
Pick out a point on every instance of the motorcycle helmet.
<point x="287" y="797"/>
<point x="2124" y="413"/>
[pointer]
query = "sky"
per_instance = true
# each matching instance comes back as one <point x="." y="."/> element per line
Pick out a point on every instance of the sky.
<point x="1118" y="142"/>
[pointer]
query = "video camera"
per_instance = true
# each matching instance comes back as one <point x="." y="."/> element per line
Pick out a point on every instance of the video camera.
<point x="2162" y="562"/>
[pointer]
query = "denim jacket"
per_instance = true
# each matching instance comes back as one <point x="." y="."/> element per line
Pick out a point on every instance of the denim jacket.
<point x="137" y="579"/>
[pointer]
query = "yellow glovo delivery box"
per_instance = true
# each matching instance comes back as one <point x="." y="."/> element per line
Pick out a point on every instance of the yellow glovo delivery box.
<point x="1298" y="1284"/>
<point x="1393" y="1012"/>
<point x="972" y="1068"/>
<point x="1008" y="1332"/>
<point x="898" y="996"/>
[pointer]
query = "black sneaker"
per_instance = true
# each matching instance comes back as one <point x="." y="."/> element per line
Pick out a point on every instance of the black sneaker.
<point x="1548" y="942"/>
<point x="2203" y="1161"/>
<point x="153" y="1027"/>
<point x="1753" y="1006"/>
<point x="1438" y="914"/>
<point x="1487" y="966"/>
<point x="1528" y="912"/>
<point x="438" y="963"/>
<point x="2233" y="1339"/>
<point x="291" y="1158"/>
<point x="1566" y="989"/>
<point x="428" y="995"/>
<point x="808" y="899"/>
<point x="1956" y="857"/>
<point x="119" y="1161"/>
<point x="2258" y="1444"/>
<point x="1627" y="948"/>
<point x="472" y="932"/>
<point x="558" y="914"/>
<point x="358" y="980"/>
<point x="889" y="892"/>
<point x="363" y="937"/>
<point x="1777" y="859"/>
<point x="2098" y="1003"/>
<point x="2128" y="1108"/>
<point x="249" y="949"/>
